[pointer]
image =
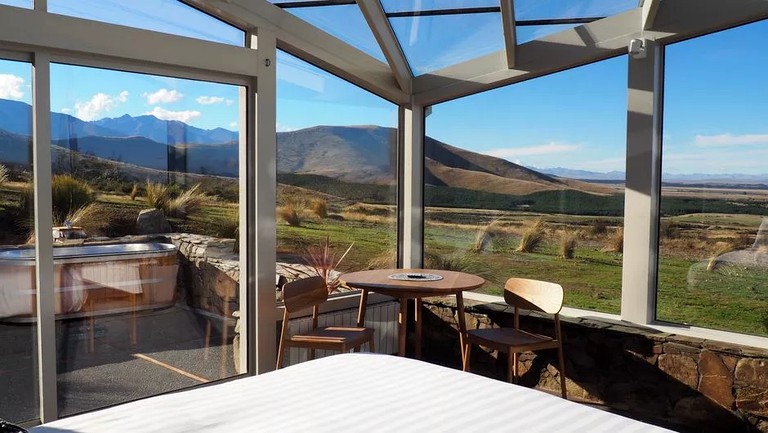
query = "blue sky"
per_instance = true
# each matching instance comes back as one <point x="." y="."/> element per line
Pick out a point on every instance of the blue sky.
<point x="716" y="96"/>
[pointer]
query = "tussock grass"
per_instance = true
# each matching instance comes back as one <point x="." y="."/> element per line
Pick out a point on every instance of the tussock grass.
<point x="292" y="213"/>
<point x="185" y="204"/>
<point x="384" y="260"/>
<point x="486" y="234"/>
<point x="532" y="238"/>
<point x="567" y="245"/>
<point x="459" y="261"/>
<point x="615" y="243"/>
<point x="722" y="248"/>
<point x="134" y="191"/>
<point x="319" y="207"/>
<point x="3" y="174"/>
<point x="157" y="195"/>
<point x="68" y="194"/>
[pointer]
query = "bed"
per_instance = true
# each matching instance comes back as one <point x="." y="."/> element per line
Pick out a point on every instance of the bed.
<point x="355" y="392"/>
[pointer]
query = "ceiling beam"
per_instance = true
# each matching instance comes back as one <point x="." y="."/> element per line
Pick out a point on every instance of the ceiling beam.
<point x="650" y="7"/>
<point x="508" y="26"/>
<point x="674" y="21"/>
<point x="309" y="43"/>
<point x="385" y="36"/>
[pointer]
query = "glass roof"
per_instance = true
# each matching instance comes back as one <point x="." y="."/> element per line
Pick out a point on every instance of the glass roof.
<point x="432" y="42"/>
<point x="434" y="34"/>
<point x="346" y="22"/>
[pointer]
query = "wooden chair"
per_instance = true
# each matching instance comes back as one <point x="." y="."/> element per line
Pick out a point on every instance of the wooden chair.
<point x="301" y="294"/>
<point x="529" y="295"/>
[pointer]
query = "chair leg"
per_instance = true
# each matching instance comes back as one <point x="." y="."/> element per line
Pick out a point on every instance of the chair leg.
<point x="467" y="353"/>
<point x="310" y="354"/>
<point x="562" y="370"/>
<point x="372" y="345"/>
<point x="280" y="353"/>
<point x="512" y="372"/>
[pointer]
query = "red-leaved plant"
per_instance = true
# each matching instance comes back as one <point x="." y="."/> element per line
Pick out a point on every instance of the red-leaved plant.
<point x="323" y="262"/>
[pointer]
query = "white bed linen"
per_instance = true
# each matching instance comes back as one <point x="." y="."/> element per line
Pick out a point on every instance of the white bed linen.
<point x="353" y="393"/>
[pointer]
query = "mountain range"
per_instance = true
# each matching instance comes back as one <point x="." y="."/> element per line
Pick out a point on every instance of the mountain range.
<point x="358" y="154"/>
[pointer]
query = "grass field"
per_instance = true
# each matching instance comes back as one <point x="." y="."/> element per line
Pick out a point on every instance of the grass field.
<point x="728" y="297"/>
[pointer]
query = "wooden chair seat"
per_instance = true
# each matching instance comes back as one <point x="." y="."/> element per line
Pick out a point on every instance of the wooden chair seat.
<point x="335" y="338"/>
<point x="534" y="295"/>
<point x="507" y="339"/>
<point x="311" y="292"/>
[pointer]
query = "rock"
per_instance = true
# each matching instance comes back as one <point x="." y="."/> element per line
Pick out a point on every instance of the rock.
<point x="752" y="373"/>
<point x="716" y="379"/>
<point x="753" y="401"/>
<point x="151" y="221"/>
<point x="681" y="368"/>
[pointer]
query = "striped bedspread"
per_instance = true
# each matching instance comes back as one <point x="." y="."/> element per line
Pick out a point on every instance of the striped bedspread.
<point x="353" y="393"/>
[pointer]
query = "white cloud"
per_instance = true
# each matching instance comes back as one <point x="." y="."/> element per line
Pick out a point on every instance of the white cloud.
<point x="730" y="140"/>
<point x="543" y="149"/>
<point x="182" y="116"/>
<point x="283" y="128"/>
<point x="10" y="86"/>
<point x="163" y="96"/>
<point x="65" y="110"/>
<point x="229" y="102"/>
<point x="208" y="100"/>
<point x="96" y="107"/>
<point x="123" y="96"/>
<point x="233" y="125"/>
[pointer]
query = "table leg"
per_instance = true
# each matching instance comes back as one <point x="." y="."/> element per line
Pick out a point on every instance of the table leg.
<point x="361" y="309"/>
<point x="417" y="317"/>
<point x="402" y="321"/>
<point x="462" y="326"/>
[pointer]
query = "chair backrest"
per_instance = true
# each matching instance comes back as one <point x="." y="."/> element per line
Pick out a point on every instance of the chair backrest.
<point x="534" y="295"/>
<point x="307" y="292"/>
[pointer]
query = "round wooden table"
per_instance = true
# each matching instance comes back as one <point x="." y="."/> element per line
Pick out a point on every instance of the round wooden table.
<point x="379" y="281"/>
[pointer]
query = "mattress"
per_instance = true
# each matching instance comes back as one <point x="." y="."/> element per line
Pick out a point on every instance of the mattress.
<point x="355" y="392"/>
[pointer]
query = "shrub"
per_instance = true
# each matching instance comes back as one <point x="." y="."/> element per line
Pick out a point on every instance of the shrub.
<point x="567" y="245"/>
<point x="69" y="194"/>
<point x="599" y="227"/>
<point x="187" y="203"/>
<point x="319" y="207"/>
<point x="291" y="213"/>
<point x="616" y="241"/>
<point x="532" y="238"/>
<point x="669" y="229"/>
<point x="3" y="174"/>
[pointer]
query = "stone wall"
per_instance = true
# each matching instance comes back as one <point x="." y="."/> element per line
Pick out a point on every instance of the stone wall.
<point x="683" y="383"/>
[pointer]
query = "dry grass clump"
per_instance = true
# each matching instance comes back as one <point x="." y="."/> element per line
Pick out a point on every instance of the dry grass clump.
<point x="386" y="259"/>
<point x="99" y="219"/>
<point x="615" y="243"/>
<point x="186" y="203"/>
<point x="292" y="213"/>
<point x="722" y="248"/>
<point x="460" y="262"/>
<point x="134" y="191"/>
<point x="486" y="234"/>
<point x="598" y="227"/>
<point x="532" y="237"/>
<point x="68" y="195"/>
<point x="3" y="174"/>
<point x="319" y="207"/>
<point x="567" y="245"/>
<point x="157" y="195"/>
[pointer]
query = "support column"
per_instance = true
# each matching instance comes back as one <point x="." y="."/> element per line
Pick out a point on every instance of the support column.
<point x="412" y="186"/>
<point x="46" y="295"/>
<point x="258" y="212"/>
<point x="643" y="182"/>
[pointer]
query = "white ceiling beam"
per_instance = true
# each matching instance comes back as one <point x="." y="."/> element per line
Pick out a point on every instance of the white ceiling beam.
<point x="25" y="29"/>
<point x="650" y="7"/>
<point x="508" y="26"/>
<point x="379" y="23"/>
<point x="309" y="43"/>
<point x="675" y="20"/>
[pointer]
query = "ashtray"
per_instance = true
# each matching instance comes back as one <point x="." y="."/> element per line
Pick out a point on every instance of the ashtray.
<point x="415" y="276"/>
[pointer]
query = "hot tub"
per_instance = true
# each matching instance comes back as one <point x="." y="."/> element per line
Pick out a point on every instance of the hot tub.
<point x="91" y="279"/>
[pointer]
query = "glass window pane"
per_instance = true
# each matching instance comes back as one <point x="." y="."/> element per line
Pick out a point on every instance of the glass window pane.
<point x="427" y="5"/>
<point x="18" y="348"/>
<point x="527" y="181"/>
<point x="713" y="265"/>
<point x="432" y="42"/>
<point x="549" y="9"/>
<point x="336" y="171"/>
<point x="20" y="3"/>
<point x="145" y="209"/>
<point x="345" y="22"/>
<point x="167" y="16"/>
